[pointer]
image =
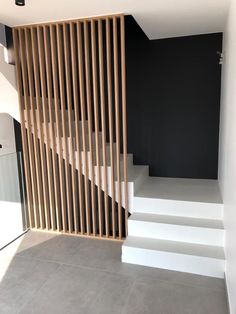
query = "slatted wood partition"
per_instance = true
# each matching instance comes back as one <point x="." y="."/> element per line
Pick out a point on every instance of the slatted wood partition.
<point x="72" y="94"/>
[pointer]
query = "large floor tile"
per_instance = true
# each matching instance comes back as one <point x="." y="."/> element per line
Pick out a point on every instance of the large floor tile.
<point x="70" y="290"/>
<point x="113" y="295"/>
<point x="153" y="275"/>
<point x="23" y="278"/>
<point x="59" y="248"/>
<point x="171" y="298"/>
<point x="32" y="239"/>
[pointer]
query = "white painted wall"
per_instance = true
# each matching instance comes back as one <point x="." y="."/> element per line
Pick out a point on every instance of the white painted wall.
<point x="8" y="91"/>
<point x="11" y="212"/>
<point x="7" y="135"/>
<point x="227" y="160"/>
<point x="11" y="219"/>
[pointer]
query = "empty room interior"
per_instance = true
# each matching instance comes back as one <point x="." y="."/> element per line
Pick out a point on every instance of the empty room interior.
<point x="118" y="157"/>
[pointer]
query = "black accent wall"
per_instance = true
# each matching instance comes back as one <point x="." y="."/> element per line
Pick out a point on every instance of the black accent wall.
<point x="17" y="129"/>
<point x="173" y="103"/>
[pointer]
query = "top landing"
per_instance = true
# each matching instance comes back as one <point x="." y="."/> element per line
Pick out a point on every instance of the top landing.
<point x="191" y="190"/>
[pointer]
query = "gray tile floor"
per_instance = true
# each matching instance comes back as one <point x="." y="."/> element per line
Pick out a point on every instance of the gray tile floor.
<point x="61" y="274"/>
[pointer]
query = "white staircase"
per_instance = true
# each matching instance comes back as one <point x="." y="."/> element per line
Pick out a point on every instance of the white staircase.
<point x="136" y="174"/>
<point x="177" y="224"/>
<point x="174" y="224"/>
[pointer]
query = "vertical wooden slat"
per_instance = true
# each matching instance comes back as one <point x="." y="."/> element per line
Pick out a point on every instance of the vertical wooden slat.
<point x="29" y="124"/>
<point x="117" y="118"/>
<point x="90" y="123"/>
<point x="103" y="119"/>
<point x="110" y="118"/>
<point x="65" y="158"/>
<point x="64" y="122"/>
<point x="77" y="123"/>
<point x="96" y="121"/>
<point x="71" y="123"/>
<point x="83" y="117"/>
<point x="40" y="130"/>
<point x="51" y="108"/>
<point x="58" y="126"/>
<point x="124" y="122"/>
<point x="49" y="215"/>
<point x="23" y="129"/>
<point x="34" y="128"/>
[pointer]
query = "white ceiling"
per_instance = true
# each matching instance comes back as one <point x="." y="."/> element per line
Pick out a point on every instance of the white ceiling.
<point x="158" y="18"/>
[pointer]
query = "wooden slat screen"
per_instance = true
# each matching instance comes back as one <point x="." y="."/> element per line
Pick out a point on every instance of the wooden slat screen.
<point x="72" y="94"/>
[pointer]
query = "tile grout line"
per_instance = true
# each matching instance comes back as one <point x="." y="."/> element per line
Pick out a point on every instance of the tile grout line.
<point x="49" y="277"/>
<point x="74" y="265"/>
<point x="130" y="276"/>
<point x="128" y="297"/>
<point x="102" y="286"/>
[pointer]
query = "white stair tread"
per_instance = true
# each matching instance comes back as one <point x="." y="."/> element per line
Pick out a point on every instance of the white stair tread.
<point x="177" y="220"/>
<point x="175" y="247"/>
<point x="191" y="190"/>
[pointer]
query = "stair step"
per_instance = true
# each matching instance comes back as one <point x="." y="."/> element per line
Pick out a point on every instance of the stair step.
<point x="177" y="220"/>
<point x="192" y="190"/>
<point x="178" y="208"/>
<point x="192" y="258"/>
<point x="209" y="251"/>
<point x="180" y="197"/>
<point x="184" y="229"/>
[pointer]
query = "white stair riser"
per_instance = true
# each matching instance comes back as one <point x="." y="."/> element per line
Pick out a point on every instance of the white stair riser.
<point x="131" y="185"/>
<point x="178" y="208"/>
<point x="141" y="179"/>
<point x="88" y="155"/>
<point x="179" y="262"/>
<point x="174" y="232"/>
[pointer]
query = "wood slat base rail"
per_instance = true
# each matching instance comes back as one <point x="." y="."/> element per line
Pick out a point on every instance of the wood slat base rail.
<point x="72" y="95"/>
